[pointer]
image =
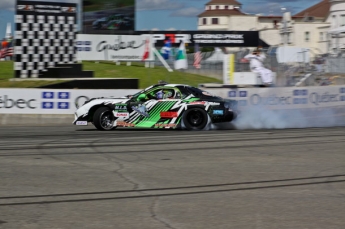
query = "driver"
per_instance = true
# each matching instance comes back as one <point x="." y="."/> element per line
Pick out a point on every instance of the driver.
<point x="160" y="94"/>
<point x="168" y="94"/>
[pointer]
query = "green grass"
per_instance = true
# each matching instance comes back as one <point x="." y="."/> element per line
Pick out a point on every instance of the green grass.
<point x="7" y="73"/>
<point x="146" y="76"/>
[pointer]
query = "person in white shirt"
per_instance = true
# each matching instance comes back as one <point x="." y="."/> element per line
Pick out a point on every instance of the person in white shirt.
<point x="256" y="65"/>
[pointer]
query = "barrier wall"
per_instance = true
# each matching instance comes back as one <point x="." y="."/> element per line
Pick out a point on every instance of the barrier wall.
<point x="54" y="101"/>
<point x="50" y="101"/>
<point x="285" y="98"/>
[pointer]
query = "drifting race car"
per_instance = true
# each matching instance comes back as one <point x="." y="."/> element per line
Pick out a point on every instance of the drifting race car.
<point x="164" y="105"/>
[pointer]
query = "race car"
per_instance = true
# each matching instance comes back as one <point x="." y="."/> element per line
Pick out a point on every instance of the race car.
<point x="168" y="106"/>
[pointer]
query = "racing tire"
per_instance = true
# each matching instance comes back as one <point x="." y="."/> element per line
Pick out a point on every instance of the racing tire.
<point x="103" y="119"/>
<point x="195" y="119"/>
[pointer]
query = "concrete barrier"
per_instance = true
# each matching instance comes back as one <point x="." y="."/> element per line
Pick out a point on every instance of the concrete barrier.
<point x="36" y="119"/>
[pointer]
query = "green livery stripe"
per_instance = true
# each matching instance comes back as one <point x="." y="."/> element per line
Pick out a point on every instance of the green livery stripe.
<point x="191" y="100"/>
<point x="141" y="119"/>
<point x="155" y="114"/>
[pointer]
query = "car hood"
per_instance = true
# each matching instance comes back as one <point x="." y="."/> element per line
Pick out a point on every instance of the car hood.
<point x="83" y="109"/>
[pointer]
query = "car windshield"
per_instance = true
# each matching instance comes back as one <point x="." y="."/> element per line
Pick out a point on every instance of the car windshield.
<point x="142" y="91"/>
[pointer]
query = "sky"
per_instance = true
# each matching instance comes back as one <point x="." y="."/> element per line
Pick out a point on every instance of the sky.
<point x="175" y="14"/>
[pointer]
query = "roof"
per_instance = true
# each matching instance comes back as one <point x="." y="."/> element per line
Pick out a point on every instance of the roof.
<point x="219" y="13"/>
<point x="228" y="2"/>
<point x="321" y="9"/>
<point x="279" y="17"/>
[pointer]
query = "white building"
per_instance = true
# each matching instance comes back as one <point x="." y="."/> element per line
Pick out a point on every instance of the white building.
<point x="309" y="28"/>
<point x="336" y="30"/>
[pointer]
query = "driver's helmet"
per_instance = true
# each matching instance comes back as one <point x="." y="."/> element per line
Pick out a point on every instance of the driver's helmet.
<point x="160" y="94"/>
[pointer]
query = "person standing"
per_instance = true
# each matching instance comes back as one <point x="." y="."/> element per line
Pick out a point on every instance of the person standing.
<point x="256" y="65"/>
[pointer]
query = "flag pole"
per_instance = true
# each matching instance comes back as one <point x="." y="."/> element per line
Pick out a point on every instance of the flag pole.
<point x="166" y="65"/>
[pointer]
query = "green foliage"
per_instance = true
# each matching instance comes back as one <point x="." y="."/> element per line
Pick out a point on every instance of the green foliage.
<point x="146" y="76"/>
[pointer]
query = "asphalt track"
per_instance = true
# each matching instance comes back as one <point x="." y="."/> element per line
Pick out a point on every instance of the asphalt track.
<point x="73" y="177"/>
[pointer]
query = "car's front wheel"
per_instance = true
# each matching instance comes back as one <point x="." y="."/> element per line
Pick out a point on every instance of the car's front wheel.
<point x="195" y="119"/>
<point x="103" y="119"/>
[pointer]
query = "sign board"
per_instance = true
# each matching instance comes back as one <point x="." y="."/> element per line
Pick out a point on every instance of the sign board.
<point x="228" y="69"/>
<point x="44" y="36"/>
<point x="288" y="54"/>
<point x="206" y="38"/>
<point x="51" y="101"/>
<point x="286" y="97"/>
<point x="108" y="17"/>
<point x="113" y="47"/>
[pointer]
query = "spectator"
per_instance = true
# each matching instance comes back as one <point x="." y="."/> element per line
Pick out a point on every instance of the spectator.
<point x="4" y="43"/>
<point x="256" y="65"/>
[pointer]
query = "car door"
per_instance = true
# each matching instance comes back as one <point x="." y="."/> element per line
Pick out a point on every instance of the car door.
<point x="155" y="113"/>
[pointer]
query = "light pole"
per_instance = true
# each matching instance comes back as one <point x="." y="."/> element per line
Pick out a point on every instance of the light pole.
<point x="284" y="26"/>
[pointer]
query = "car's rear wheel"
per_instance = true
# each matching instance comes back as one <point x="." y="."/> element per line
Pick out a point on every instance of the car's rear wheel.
<point x="195" y="119"/>
<point x="103" y="119"/>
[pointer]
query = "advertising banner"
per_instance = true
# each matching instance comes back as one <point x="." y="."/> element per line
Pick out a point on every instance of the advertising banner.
<point x="285" y="98"/>
<point x="51" y="101"/>
<point x="108" y="16"/>
<point x="114" y="47"/>
<point x="206" y="38"/>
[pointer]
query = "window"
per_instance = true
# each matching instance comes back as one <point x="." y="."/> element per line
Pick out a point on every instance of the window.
<point x="321" y="36"/>
<point x="204" y="21"/>
<point x="214" y="21"/>
<point x="275" y="24"/>
<point x="226" y="7"/>
<point x="307" y="36"/>
<point x="217" y="7"/>
<point x="334" y="21"/>
<point x="209" y="7"/>
<point x="342" y="20"/>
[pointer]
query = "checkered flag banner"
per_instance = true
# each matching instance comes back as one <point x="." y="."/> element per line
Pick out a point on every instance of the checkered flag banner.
<point x="44" y="37"/>
<point x="197" y="57"/>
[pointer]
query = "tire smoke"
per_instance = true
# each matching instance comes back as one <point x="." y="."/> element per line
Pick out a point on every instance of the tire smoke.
<point x="264" y="118"/>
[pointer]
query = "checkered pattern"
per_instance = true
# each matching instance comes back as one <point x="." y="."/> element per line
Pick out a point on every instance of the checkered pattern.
<point x="43" y="41"/>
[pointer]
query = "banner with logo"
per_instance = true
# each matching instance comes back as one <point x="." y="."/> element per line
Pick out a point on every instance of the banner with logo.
<point x="285" y="98"/>
<point x="54" y="101"/>
<point x="114" y="47"/>
<point x="51" y="101"/>
<point x="206" y="38"/>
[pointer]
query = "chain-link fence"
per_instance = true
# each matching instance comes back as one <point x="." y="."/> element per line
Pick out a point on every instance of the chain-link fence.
<point x="320" y="71"/>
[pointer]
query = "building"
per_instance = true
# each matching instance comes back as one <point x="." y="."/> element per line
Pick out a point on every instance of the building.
<point x="227" y="15"/>
<point x="335" y="38"/>
<point x="309" y="28"/>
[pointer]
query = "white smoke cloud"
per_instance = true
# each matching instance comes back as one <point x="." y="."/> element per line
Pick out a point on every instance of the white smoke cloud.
<point x="263" y="118"/>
